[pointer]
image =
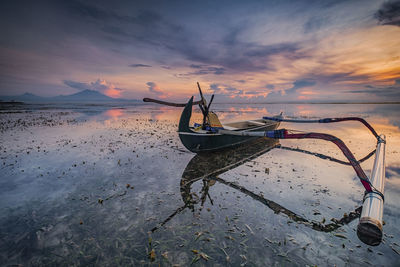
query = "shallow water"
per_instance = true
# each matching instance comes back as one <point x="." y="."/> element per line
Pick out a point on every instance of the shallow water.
<point x="113" y="185"/>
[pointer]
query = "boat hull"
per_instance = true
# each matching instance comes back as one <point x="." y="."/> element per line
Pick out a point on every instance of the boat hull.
<point x="206" y="142"/>
<point x="198" y="143"/>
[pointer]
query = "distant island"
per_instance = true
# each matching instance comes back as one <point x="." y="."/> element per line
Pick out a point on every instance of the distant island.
<point x="85" y="96"/>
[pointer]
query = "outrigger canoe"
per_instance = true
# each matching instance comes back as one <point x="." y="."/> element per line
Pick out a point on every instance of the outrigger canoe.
<point x="212" y="135"/>
<point x="206" y="137"/>
<point x="199" y="139"/>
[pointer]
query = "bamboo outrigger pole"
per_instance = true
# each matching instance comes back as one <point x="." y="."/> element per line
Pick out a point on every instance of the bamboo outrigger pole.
<point x="369" y="228"/>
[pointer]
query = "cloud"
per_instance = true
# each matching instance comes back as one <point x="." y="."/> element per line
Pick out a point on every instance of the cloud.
<point x="98" y="85"/>
<point x="135" y="25"/>
<point x="215" y="88"/>
<point x="77" y="85"/>
<point x="337" y="77"/>
<point x="315" y="24"/>
<point x="263" y="42"/>
<point x="389" y="13"/>
<point x="224" y="89"/>
<point x="156" y="90"/>
<point x="95" y="12"/>
<point x="203" y="70"/>
<point x="256" y="92"/>
<point x="231" y="89"/>
<point x="195" y="66"/>
<point x="139" y="66"/>
<point x="221" y="54"/>
<point x="391" y="92"/>
<point x="302" y="83"/>
<point x="270" y="50"/>
<point x="291" y="93"/>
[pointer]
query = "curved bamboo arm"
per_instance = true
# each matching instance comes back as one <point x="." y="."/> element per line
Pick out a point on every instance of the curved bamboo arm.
<point x="168" y="103"/>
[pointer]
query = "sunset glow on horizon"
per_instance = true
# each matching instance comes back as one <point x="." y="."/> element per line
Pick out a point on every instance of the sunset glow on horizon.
<point x="241" y="51"/>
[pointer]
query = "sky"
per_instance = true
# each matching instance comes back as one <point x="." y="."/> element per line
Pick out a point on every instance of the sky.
<point x="241" y="51"/>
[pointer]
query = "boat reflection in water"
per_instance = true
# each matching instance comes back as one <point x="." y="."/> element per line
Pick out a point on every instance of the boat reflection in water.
<point x="207" y="166"/>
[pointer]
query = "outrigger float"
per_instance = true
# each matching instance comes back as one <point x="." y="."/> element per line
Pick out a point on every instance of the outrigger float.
<point x="211" y="135"/>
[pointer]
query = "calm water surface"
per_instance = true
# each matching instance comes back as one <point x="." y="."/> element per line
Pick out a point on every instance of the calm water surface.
<point x="113" y="185"/>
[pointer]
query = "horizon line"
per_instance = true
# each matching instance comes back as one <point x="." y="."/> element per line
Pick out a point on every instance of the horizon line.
<point x="236" y="103"/>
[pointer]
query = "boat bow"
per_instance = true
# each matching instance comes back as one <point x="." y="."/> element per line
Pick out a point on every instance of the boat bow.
<point x="185" y="117"/>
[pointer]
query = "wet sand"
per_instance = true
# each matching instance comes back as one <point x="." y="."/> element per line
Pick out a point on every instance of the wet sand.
<point x="109" y="185"/>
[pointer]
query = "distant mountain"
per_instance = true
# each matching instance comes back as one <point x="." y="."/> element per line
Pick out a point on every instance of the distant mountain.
<point x="86" y="96"/>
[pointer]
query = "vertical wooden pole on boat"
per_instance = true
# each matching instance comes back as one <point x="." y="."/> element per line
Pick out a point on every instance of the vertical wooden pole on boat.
<point x="369" y="228"/>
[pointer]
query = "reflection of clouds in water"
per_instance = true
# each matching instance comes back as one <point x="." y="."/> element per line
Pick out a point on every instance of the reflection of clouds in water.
<point x="395" y="122"/>
<point x="393" y="172"/>
<point x="166" y="113"/>
<point x="247" y="109"/>
<point x="304" y="110"/>
<point x="374" y="113"/>
<point x="389" y="111"/>
<point x="114" y="113"/>
<point x="89" y="112"/>
<point x="237" y="112"/>
<point x="241" y="112"/>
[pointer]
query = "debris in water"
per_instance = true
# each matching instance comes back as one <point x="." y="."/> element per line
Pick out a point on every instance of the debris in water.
<point x="195" y="259"/>
<point x="229" y="237"/>
<point x="152" y="255"/>
<point x="198" y="234"/>
<point x="306" y="246"/>
<point x="248" y="227"/>
<point x="395" y="250"/>
<point x="268" y="240"/>
<point x="226" y="255"/>
<point x="204" y="256"/>
<point x="341" y="236"/>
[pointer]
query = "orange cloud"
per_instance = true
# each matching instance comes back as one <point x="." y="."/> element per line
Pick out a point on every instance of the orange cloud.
<point x="112" y="92"/>
<point x="106" y="88"/>
<point x="309" y="93"/>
